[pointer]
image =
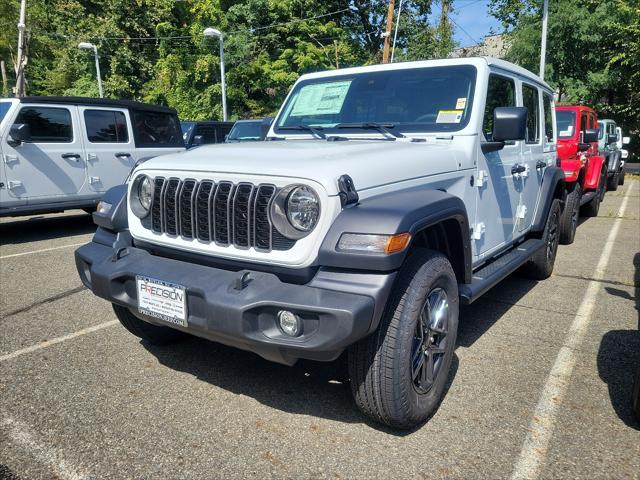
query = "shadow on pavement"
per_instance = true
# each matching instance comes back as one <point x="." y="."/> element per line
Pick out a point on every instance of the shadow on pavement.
<point x="28" y="229"/>
<point x="310" y="388"/>
<point x="619" y="356"/>
<point x="313" y="388"/>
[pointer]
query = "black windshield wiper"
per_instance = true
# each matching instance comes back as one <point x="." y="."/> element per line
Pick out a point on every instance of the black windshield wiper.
<point x="314" y="130"/>
<point x="381" y="127"/>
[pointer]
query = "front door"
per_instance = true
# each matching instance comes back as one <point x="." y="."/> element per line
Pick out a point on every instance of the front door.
<point x="51" y="164"/>
<point x="499" y="192"/>
<point x="109" y="145"/>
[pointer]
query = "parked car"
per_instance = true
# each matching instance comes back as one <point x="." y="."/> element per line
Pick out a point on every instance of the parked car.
<point x="395" y="193"/>
<point x="204" y="132"/>
<point x="624" y="154"/>
<point x="64" y="152"/>
<point x="585" y="171"/>
<point x="249" y="130"/>
<point x="608" y="138"/>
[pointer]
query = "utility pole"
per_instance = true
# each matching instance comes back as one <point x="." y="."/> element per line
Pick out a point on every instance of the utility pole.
<point x="543" y="42"/>
<point x="395" y="34"/>
<point x="387" y="32"/>
<point x="5" y="82"/>
<point x="21" y="61"/>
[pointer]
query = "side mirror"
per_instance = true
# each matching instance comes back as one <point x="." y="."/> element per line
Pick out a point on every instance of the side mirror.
<point x="626" y="140"/>
<point x="20" y="132"/>
<point x="612" y="138"/>
<point x="590" y="135"/>
<point x="197" y="140"/>
<point x="509" y="123"/>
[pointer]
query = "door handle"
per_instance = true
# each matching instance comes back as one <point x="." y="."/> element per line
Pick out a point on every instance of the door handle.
<point x="518" y="169"/>
<point x="74" y="156"/>
<point x="123" y="154"/>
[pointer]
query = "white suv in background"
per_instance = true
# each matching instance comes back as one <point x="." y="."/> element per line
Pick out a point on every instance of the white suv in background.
<point x="60" y="153"/>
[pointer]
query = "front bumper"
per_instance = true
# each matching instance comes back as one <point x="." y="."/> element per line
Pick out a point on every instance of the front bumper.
<point x="336" y="308"/>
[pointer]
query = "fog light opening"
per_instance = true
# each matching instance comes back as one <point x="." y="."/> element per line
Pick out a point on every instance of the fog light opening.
<point x="289" y="323"/>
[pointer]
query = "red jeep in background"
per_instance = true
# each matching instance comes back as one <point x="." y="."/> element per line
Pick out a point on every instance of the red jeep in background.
<point x="583" y="166"/>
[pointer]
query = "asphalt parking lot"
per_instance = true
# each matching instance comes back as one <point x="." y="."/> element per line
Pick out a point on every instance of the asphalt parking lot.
<point x="541" y="384"/>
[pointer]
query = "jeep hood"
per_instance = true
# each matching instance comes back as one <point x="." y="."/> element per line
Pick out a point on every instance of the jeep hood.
<point x="370" y="163"/>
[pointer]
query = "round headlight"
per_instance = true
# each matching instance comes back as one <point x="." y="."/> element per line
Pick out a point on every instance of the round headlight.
<point x="303" y="208"/>
<point x="141" y="194"/>
<point x="295" y="211"/>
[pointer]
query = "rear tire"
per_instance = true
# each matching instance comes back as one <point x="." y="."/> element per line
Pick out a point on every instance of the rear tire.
<point x="636" y="395"/>
<point x="570" y="216"/>
<point x="613" y="182"/>
<point x="152" y="334"/>
<point x="541" y="264"/>
<point x="399" y="373"/>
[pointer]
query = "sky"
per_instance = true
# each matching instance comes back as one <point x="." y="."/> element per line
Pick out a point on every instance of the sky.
<point x="473" y="21"/>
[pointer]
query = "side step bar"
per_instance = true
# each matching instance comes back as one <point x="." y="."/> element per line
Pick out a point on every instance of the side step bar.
<point x="587" y="197"/>
<point x="488" y="276"/>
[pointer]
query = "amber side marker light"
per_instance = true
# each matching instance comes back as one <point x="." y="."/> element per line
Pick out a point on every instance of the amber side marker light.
<point x="397" y="243"/>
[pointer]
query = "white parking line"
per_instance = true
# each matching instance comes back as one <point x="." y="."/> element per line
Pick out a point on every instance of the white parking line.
<point x="535" y="448"/>
<point x="41" y="251"/>
<point x="20" y="434"/>
<point x="56" y="340"/>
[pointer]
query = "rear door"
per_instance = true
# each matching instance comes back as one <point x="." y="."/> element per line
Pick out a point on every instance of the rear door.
<point x="51" y="166"/>
<point x="109" y="146"/>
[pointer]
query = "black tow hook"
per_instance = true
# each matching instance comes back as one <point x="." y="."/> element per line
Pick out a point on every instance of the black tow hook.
<point x="242" y="282"/>
<point x="120" y="253"/>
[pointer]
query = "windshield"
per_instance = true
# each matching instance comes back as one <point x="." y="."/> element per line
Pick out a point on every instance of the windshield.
<point x="565" y="123"/>
<point x="429" y="99"/>
<point x="245" y="131"/>
<point x="4" y="108"/>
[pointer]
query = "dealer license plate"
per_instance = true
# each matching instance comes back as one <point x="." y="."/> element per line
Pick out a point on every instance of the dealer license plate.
<point x="163" y="300"/>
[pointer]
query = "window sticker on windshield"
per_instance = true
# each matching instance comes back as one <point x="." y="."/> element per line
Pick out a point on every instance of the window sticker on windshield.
<point x="449" y="116"/>
<point x="321" y="99"/>
<point x="568" y="132"/>
<point x="461" y="103"/>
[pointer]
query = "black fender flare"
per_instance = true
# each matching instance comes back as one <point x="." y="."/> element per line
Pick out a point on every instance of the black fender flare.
<point x="553" y="187"/>
<point x="116" y="218"/>
<point x="409" y="210"/>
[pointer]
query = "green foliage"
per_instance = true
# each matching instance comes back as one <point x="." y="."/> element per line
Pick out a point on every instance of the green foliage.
<point x="268" y="44"/>
<point x="593" y="51"/>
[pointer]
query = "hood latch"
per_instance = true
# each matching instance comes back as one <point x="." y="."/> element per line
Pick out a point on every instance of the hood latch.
<point x="347" y="191"/>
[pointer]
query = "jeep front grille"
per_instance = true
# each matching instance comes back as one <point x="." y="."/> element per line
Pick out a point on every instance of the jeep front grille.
<point x="220" y="212"/>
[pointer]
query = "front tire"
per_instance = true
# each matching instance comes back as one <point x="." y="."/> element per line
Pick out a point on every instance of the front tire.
<point x="592" y="208"/>
<point x="399" y="373"/>
<point x="152" y="334"/>
<point x="613" y="181"/>
<point x="621" y="181"/>
<point x="570" y="216"/>
<point x="541" y="264"/>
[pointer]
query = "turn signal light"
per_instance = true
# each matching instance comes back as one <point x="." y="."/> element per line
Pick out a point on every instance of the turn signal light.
<point x="397" y="243"/>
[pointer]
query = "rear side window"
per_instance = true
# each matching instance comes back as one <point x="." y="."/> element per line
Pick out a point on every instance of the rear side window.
<point x="501" y="92"/>
<point x="157" y="129"/>
<point x="530" y="100"/>
<point x="566" y="121"/>
<point x="47" y="124"/>
<point x="106" y="126"/>
<point x="4" y="108"/>
<point x="548" y="117"/>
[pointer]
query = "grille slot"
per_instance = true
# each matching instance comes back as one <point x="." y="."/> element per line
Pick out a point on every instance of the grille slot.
<point x="223" y="212"/>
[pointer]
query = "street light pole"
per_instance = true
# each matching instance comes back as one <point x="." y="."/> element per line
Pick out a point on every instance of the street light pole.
<point x="212" y="32"/>
<point x="91" y="46"/>
<point x="543" y="42"/>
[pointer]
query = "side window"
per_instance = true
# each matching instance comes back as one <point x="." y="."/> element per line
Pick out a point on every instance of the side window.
<point x="157" y="129"/>
<point x="47" y="124"/>
<point x="501" y="92"/>
<point x="548" y="118"/>
<point x="530" y="100"/>
<point x="106" y="126"/>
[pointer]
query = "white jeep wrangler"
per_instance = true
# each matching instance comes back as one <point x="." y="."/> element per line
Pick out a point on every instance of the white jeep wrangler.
<point x="387" y="195"/>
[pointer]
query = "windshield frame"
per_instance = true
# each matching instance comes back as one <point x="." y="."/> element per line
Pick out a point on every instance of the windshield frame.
<point x="413" y="128"/>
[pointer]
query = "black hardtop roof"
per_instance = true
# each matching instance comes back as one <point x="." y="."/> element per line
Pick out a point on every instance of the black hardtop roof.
<point x="99" y="102"/>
